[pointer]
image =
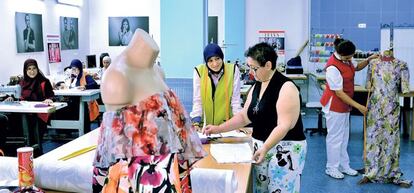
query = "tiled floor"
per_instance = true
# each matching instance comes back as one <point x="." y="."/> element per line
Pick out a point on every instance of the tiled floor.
<point x="315" y="180"/>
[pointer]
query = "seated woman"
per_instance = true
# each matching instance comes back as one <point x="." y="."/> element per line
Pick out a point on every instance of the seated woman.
<point x="106" y="61"/>
<point x="80" y="79"/>
<point x="35" y="87"/>
<point x="83" y="81"/>
<point x="146" y="135"/>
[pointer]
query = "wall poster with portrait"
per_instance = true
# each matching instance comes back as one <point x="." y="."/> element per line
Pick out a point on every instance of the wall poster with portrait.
<point x="121" y="29"/>
<point x="275" y="38"/>
<point x="53" y="52"/>
<point x="69" y="33"/>
<point x="29" y="33"/>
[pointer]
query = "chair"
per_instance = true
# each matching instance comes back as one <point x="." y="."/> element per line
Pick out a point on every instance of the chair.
<point x="320" y="129"/>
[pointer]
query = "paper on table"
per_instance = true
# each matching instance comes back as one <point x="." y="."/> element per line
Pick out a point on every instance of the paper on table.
<point x="232" y="152"/>
<point x="233" y="133"/>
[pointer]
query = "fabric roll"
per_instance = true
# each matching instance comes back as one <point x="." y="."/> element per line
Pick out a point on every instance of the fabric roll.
<point x="8" y="171"/>
<point x="54" y="175"/>
<point x="63" y="176"/>
<point x="213" y="180"/>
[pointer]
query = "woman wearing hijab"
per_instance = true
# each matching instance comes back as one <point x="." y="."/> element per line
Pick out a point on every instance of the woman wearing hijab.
<point x="216" y="94"/>
<point x="80" y="79"/>
<point x="83" y="81"/>
<point x="35" y="87"/>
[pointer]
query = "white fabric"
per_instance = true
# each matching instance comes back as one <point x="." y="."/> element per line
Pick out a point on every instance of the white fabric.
<point x="73" y="175"/>
<point x="197" y="109"/>
<point x="51" y="174"/>
<point x="337" y="139"/>
<point x="8" y="171"/>
<point x="213" y="180"/>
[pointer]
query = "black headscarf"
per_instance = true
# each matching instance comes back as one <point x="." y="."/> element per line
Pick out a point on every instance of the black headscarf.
<point x="31" y="89"/>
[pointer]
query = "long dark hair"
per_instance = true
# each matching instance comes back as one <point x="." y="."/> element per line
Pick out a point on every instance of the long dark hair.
<point x="122" y="24"/>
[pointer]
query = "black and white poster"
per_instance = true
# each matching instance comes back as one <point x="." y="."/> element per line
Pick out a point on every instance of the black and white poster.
<point x="29" y="34"/>
<point x="69" y="33"/>
<point x="121" y="29"/>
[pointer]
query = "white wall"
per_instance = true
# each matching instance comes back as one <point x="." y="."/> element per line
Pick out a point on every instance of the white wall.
<point x="99" y="12"/>
<point x="12" y="62"/>
<point x="403" y="47"/>
<point x="291" y="16"/>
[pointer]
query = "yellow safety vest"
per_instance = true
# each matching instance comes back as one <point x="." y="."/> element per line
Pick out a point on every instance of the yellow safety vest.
<point x="217" y="109"/>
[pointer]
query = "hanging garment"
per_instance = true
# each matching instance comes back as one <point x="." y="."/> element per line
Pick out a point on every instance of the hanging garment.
<point x="389" y="77"/>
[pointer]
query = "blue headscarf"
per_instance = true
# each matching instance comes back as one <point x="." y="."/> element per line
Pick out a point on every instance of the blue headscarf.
<point x="78" y="64"/>
<point x="212" y="50"/>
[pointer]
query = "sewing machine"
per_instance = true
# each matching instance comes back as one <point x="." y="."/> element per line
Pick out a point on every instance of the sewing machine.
<point x="14" y="90"/>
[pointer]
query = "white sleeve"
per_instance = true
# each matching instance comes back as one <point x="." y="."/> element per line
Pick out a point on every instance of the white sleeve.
<point x="235" y="98"/>
<point x="197" y="105"/>
<point x="334" y="78"/>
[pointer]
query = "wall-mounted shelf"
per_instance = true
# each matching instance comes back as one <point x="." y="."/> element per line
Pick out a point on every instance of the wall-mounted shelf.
<point x="321" y="48"/>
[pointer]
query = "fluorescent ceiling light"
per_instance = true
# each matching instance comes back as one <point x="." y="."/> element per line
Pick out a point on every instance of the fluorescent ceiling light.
<point x="71" y="2"/>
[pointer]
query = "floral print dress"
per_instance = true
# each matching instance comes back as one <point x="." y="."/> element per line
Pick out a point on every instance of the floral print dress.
<point x="383" y="130"/>
<point x="146" y="148"/>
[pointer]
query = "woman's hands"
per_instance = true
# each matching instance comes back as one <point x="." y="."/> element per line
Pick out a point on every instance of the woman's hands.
<point x="81" y="87"/>
<point x="260" y="154"/>
<point x="48" y="101"/>
<point x="211" y="129"/>
<point x="9" y="99"/>
<point x="373" y="57"/>
<point x="362" y="109"/>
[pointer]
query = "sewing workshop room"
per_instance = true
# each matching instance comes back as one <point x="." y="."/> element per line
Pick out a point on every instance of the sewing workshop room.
<point x="207" y="96"/>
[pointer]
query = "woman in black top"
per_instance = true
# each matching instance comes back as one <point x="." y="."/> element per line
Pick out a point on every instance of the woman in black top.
<point x="273" y="108"/>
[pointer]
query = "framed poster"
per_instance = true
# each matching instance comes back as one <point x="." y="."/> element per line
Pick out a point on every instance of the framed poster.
<point x="69" y="36"/>
<point x="53" y="53"/>
<point x="275" y="38"/>
<point x="121" y="29"/>
<point x="29" y="34"/>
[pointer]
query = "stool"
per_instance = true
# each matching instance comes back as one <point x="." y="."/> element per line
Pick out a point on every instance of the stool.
<point x="320" y="129"/>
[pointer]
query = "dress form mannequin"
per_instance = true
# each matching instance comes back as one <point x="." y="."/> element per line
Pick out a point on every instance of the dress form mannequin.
<point x="132" y="76"/>
<point x="146" y="142"/>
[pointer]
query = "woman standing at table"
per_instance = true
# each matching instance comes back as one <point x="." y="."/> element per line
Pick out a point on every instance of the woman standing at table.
<point x="35" y="87"/>
<point x="337" y="103"/>
<point x="216" y="95"/>
<point x="273" y="108"/>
